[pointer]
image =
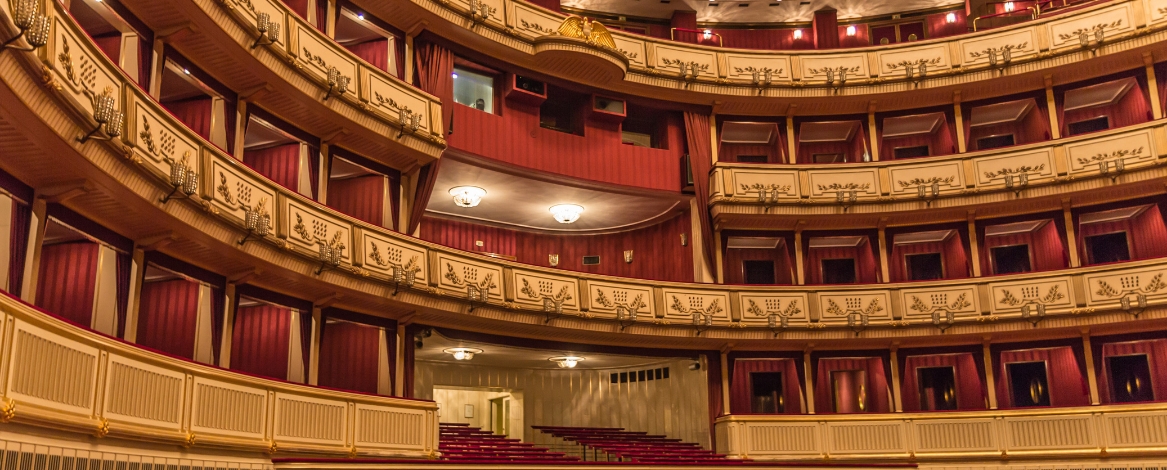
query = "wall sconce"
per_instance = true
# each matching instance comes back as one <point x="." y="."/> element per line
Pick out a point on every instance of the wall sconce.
<point x="847" y="198"/>
<point x="950" y="17"/>
<point x="337" y="83"/>
<point x="476" y="294"/>
<point x="409" y="120"/>
<point x="943" y="319"/>
<point x="928" y="192"/>
<point x="553" y="260"/>
<point x="182" y="179"/>
<point x="257" y="222"/>
<point x="684" y="240"/>
<point x="707" y="35"/>
<point x="329" y="257"/>
<point x="625" y="316"/>
<point x="851" y="30"/>
<point x="797" y="34"/>
<point x="1139" y="305"/>
<point x="1009" y="7"/>
<point x="777" y="323"/>
<point x="1104" y="168"/>
<point x="1033" y="313"/>
<point x="628" y="256"/>
<point x="836" y="84"/>
<point x="857" y="322"/>
<point x="479" y="11"/>
<point x="1021" y="182"/>
<point x="702" y="322"/>
<point x="269" y="32"/>
<point x="105" y="115"/>
<point x="403" y="277"/>
<point x="33" y="26"/>
<point x="1084" y="39"/>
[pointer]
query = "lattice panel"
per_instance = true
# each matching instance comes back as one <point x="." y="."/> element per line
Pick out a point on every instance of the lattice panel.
<point x="228" y="409"/>
<point x="393" y="428"/>
<point x="144" y="393"/>
<point x="309" y="420"/>
<point x="71" y="384"/>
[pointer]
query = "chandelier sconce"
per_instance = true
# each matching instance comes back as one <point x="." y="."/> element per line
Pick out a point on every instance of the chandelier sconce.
<point x="329" y="257"/>
<point x="183" y="179"/>
<point x="479" y="11"/>
<point x="269" y="31"/>
<point x="476" y="294"/>
<point x="702" y="322"/>
<point x="928" y="192"/>
<point x="552" y="309"/>
<point x="857" y="322"/>
<point x="256" y="221"/>
<point x="33" y="26"/>
<point x="1104" y="169"/>
<point x="1134" y="308"/>
<point x="105" y="115"/>
<point x="1018" y="183"/>
<point x="625" y="316"/>
<point x="410" y="121"/>
<point x="837" y="78"/>
<point x="337" y="83"/>
<point x="943" y="319"/>
<point x="1085" y="36"/>
<point x="567" y="362"/>
<point x="847" y="198"/>
<point x="462" y="354"/>
<point x="911" y="71"/>
<point x="762" y="79"/>
<point x="403" y="278"/>
<point x="1033" y="313"/>
<point x="777" y="323"/>
<point x="628" y="256"/>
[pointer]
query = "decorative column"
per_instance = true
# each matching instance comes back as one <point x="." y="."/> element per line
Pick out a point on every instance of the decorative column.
<point x="1071" y="235"/>
<point x="791" y="145"/>
<point x="808" y="379"/>
<point x="872" y="132"/>
<point x="32" y="259"/>
<point x="725" y="379"/>
<point x="990" y="380"/>
<point x="228" y="326"/>
<point x="399" y="361"/>
<point x="1055" y="129"/>
<point x="800" y="274"/>
<point x="974" y="246"/>
<point x="897" y="399"/>
<point x="313" y="365"/>
<point x="1091" y="372"/>
<point x="959" y="113"/>
<point x="1153" y="86"/>
<point x="883" y="252"/>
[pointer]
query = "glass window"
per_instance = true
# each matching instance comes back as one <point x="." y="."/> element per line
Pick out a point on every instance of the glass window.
<point x="474" y="89"/>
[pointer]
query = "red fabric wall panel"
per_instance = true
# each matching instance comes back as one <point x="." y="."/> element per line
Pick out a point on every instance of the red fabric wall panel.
<point x="877" y="400"/>
<point x="1133" y="108"/>
<point x="767" y="39"/>
<point x="650" y="245"/>
<point x="18" y="249"/>
<point x="516" y="137"/>
<point x="739" y="389"/>
<point x="349" y="356"/>
<point x="259" y="344"/>
<point x="68" y="280"/>
<point x="825" y="27"/>
<point x="1156" y="352"/>
<point x="937" y="26"/>
<point x="280" y="164"/>
<point x="783" y="268"/>
<point x="1067" y="385"/>
<point x="1146" y="234"/>
<point x="362" y="197"/>
<point x="861" y="38"/>
<point x="111" y="45"/>
<point x="552" y="5"/>
<point x="375" y="52"/>
<point x="970" y="392"/>
<point x="168" y="316"/>
<point x="195" y="113"/>
<point x="715" y="391"/>
<point x="730" y="152"/>
<point x="951" y="252"/>
<point x="300" y="7"/>
<point x="1034" y="127"/>
<point x="686" y="20"/>
<point x="1046" y="249"/>
<point x="866" y="265"/>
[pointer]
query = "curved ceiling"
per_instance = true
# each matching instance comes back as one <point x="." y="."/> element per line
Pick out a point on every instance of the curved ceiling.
<point x="756" y="11"/>
<point x="519" y="198"/>
<point x="514" y="357"/>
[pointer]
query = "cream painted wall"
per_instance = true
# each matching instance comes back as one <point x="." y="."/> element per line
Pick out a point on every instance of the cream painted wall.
<point x="453" y="401"/>
<point x="677" y="407"/>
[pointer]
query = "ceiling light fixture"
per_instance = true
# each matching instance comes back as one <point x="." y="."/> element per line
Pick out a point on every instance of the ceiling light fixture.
<point x="851" y="30"/>
<point x="360" y="16"/>
<point x="462" y="354"/>
<point x="467" y="196"/>
<point x="797" y="34"/>
<point x="566" y="362"/>
<point x="950" y="17"/>
<point x="566" y="213"/>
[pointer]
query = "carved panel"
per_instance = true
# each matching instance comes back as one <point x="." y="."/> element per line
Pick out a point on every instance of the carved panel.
<point x="380" y="254"/>
<point x="757" y="308"/>
<point x="981" y="49"/>
<point x="894" y="61"/>
<point x="919" y="303"/>
<point x="1049" y="432"/>
<point x="228" y="409"/>
<point x="1111" y="21"/>
<point x="955" y="435"/>
<point x="682" y="304"/>
<point x="835" y="307"/>
<point x="634" y="49"/>
<point x="1110" y="287"/>
<point x="315" y="54"/>
<point x="907" y="179"/>
<point x="36" y="351"/>
<point x="80" y="69"/>
<point x="606" y="297"/>
<point x="815" y="67"/>
<point x="385" y="427"/>
<point x="535" y="22"/>
<point x="868" y="438"/>
<point x="1037" y="164"/>
<point x="782" y="439"/>
<point x="1134" y="149"/>
<point x="248" y="10"/>
<point x="394" y="100"/>
<point x="141" y="393"/>
<point x="310" y="420"/>
<point x="308" y="227"/>
<point x="533" y="289"/>
<point x="746" y="183"/>
<point x="670" y="59"/>
<point x="825" y="183"/>
<point x="1146" y="429"/>
<point x="742" y="66"/>
<point x="454" y="274"/>
<point x="232" y="189"/>
<point x="158" y="140"/>
<point x="1012" y="297"/>
<point x="494" y="10"/>
<point x="1156" y="10"/>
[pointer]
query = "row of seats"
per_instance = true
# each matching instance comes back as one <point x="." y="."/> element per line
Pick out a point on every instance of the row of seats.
<point x="463" y="443"/>
<point x="619" y="445"/>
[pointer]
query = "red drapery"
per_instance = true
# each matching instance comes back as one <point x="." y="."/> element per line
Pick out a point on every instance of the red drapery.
<point x="321" y="17"/>
<point x="348" y="356"/>
<point x="362" y="197"/>
<point x="259" y="343"/>
<point x="1156" y="352"/>
<point x="111" y="45"/>
<point x="123" y="268"/>
<point x="713" y="382"/>
<point x="145" y="62"/>
<point x="1046" y="249"/>
<point x="825" y="27"/>
<point x="876" y="386"/>
<point x="970" y="393"/>
<point x="18" y="248"/>
<point x="1146" y="233"/>
<point x="375" y="52"/>
<point x="168" y="316"/>
<point x="686" y="20"/>
<point x="951" y="253"/>
<point x="866" y="266"/>
<point x="281" y="164"/>
<point x="700" y="162"/>
<point x="300" y="7"/>
<point x="1133" y="108"/>
<point x="68" y="280"/>
<point x="766" y="39"/>
<point x="194" y="112"/>
<point x="1066" y="383"/>
<point x="435" y="66"/>
<point x="740" y="392"/>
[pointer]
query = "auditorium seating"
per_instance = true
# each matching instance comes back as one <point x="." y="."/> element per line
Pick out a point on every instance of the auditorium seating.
<point x="463" y="443"/>
<point x="619" y="445"/>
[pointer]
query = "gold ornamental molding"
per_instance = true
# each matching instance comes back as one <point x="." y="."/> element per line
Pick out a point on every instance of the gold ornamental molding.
<point x="581" y="47"/>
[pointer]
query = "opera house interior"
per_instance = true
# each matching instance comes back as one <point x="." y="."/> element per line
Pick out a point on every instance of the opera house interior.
<point x="550" y="234"/>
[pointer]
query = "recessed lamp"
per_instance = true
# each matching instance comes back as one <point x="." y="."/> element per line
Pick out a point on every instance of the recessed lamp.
<point x="186" y="71"/>
<point x="462" y="354"/>
<point x="467" y="196"/>
<point x="797" y="34"/>
<point x="851" y="30"/>
<point x="950" y="17"/>
<point x="566" y="362"/>
<point x="566" y="213"/>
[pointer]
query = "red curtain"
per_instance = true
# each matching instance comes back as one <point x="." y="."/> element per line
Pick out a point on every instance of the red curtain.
<point x="123" y="266"/>
<point x="281" y="164"/>
<point x="435" y="66"/>
<point x="194" y="112"/>
<point x="876" y="386"/>
<point x="1133" y="108"/>
<point x="18" y="248"/>
<point x="1066" y="383"/>
<point x="951" y="252"/>
<point x="552" y="5"/>
<point x="168" y="316"/>
<point x="408" y="354"/>
<point x="713" y="382"/>
<point x="321" y="17"/>
<point x="145" y="62"/>
<point x="1146" y="233"/>
<point x="701" y="162"/>
<point x="362" y="197"/>
<point x="739" y="388"/>
<point x="300" y="7"/>
<point x="735" y="258"/>
<point x="348" y="356"/>
<point x="825" y="26"/>
<point x="259" y="343"/>
<point x="866" y="266"/>
<point x="375" y="52"/>
<point x="111" y="45"/>
<point x="1156" y="352"/>
<point x="1046" y="249"/>
<point x="970" y="392"/>
<point x="68" y="281"/>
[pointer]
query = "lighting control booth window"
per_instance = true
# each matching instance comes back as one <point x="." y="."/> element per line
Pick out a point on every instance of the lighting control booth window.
<point x="474" y="89"/>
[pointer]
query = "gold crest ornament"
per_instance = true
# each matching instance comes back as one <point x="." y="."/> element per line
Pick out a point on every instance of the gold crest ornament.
<point x="592" y="32"/>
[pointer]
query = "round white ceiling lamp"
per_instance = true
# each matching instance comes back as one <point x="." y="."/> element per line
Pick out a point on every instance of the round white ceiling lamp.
<point x="566" y="213"/>
<point x="462" y="354"/>
<point x="566" y="362"/>
<point x="467" y="196"/>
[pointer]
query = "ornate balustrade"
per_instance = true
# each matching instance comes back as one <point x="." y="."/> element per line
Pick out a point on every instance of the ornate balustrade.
<point x="60" y="375"/>
<point x="375" y="260"/>
<point x="1099" y="431"/>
